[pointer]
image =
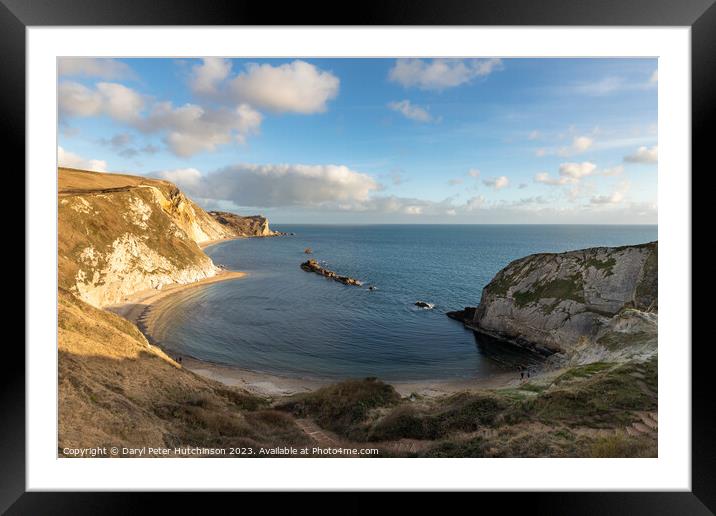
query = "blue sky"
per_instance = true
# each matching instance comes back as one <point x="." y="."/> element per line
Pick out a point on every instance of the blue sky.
<point x="376" y="140"/>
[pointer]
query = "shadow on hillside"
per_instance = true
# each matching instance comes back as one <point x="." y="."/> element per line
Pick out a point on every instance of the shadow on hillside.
<point x="149" y="402"/>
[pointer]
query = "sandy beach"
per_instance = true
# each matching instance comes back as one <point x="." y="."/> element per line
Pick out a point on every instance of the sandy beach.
<point x="208" y="243"/>
<point x="139" y="304"/>
<point x="268" y="384"/>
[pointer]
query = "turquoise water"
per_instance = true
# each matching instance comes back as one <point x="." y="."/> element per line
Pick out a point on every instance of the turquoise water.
<point x="282" y="320"/>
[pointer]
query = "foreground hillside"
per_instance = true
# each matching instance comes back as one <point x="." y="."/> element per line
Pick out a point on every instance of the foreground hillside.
<point x="117" y="390"/>
<point x="598" y="410"/>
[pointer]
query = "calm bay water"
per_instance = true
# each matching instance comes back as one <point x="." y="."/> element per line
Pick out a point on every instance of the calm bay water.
<point x="282" y="320"/>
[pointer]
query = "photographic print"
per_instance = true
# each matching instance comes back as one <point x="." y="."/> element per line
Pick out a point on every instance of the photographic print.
<point x="357" y="257"/>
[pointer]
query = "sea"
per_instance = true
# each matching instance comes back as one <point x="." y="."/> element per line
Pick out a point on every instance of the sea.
<point x="282" y="320"/>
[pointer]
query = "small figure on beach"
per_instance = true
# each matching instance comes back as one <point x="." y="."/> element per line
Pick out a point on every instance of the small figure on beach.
<point x="524" y="372"/>
<point x="308" y="250"/>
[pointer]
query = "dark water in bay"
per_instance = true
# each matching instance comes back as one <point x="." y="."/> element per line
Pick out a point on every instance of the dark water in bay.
<point x="282" y="320"/>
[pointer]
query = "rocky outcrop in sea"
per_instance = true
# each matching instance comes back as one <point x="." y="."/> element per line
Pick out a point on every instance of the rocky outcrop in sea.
<point x="314" y="266"/>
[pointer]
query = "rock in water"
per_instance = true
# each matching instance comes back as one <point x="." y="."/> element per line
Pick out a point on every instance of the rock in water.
<point x="467" y="314"/>
<point x="569" y="301"/>
<point x="313" y="266"/>
<point x="423" y="304"/>
<point x="308" y="250"/>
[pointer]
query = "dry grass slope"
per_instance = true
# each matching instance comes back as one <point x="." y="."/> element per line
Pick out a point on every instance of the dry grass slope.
<point x="117" y="390"/>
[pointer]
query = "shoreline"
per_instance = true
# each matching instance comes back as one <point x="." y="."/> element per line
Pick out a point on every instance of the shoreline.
<point x="271" y="384"/>
<point x="209" y="243"/>
<point x="144" y="309"/>
<point x="136" y="307"/>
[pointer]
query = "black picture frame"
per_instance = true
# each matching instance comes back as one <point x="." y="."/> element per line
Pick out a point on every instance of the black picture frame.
<point x="700" y="15"/>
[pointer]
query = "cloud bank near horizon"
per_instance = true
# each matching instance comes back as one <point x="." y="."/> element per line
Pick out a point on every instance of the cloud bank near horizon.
<point x="338" y="189"/>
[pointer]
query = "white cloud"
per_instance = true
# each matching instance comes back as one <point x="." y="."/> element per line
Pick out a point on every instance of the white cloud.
<point x="191" y="128"/>
<point x="413" y="210"/>
<point x="103" y="68"/>
<point x="208" y="76"/>
<point x="654" y="77"/>
<point x="72" y="160"/>
<point x="112" y="99"/>
<point x="120" y="102"/>
<point x="336" y="191"/>
<point x="75" y="99"/>
<point x="413" y="207"/>
<point x="497" y="183"/>
<point x="439" y="74"/>
<point x="297" y="87"/>
<point x="582" y="143"/>
<point x="411" y="111"/>
<point x="579" y="144"/>
<point x="455" y="181"/>
<point x="613" y="171"/>
<point x="576" y="170"/>
<point x="644" y="155"/>
<point x="534" y="135"/>
<point x="473" y="172"/>
<point x="475" y="203"/>
<point x="188" y="178"/>
<point x="545" y="178"/>
<point x="188" y="129"/>
<point x="279" y="185"/>
<point x="569" y="174"/>
<point x="615" y="197"/>
<point x="389" y="204"/>
<point x="527" y="202"/>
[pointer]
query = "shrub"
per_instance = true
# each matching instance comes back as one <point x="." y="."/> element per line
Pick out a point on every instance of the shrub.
<point x="342" y="406"/>
<point x="623" y="446"/>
